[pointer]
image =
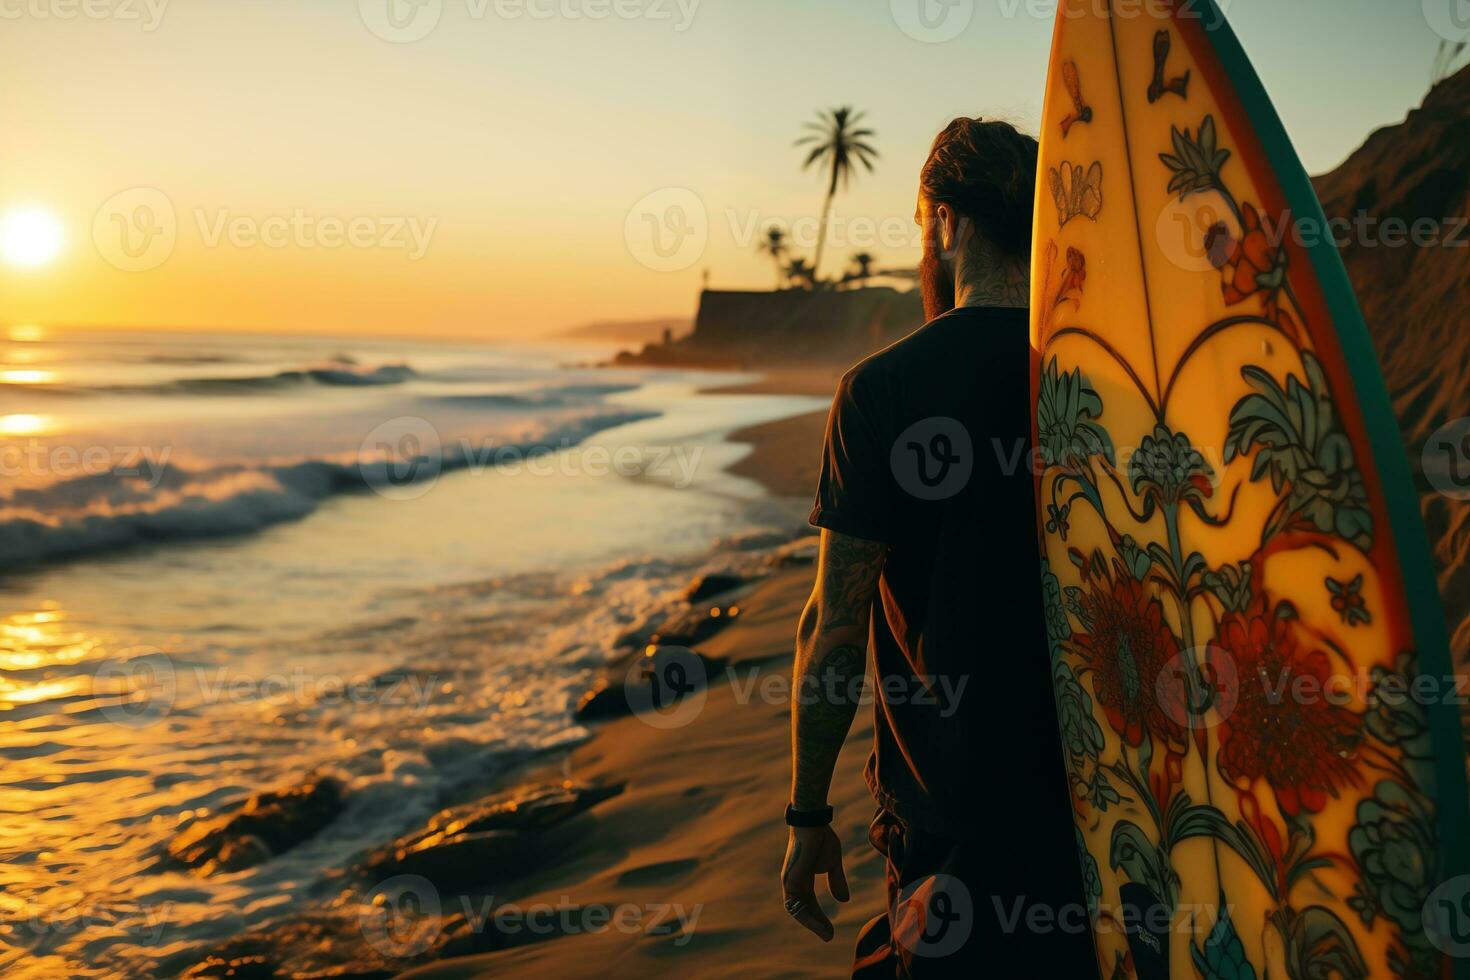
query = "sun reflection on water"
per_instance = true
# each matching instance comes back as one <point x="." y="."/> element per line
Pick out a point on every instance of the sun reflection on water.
<point x="26" y="425"/>
<point x="43" y="638"/>
<point x="13" y="693"/>
<point x="26" y="333"/>
<point x="27" y="377"/>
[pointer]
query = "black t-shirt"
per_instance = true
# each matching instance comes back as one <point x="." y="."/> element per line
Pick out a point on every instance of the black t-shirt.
<point x="929" y="451"/>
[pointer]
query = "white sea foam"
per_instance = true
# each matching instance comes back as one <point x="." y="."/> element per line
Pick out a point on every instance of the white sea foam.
<point x="415" y="648"/>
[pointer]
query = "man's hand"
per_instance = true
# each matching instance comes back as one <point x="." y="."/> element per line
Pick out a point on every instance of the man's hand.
<point x="812" y="851"/>
<point x="827" y="682"/>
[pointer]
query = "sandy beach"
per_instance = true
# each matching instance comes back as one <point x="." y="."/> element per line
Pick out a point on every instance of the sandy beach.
<point x="652" y="847"/>
<point x="698" y="826"/>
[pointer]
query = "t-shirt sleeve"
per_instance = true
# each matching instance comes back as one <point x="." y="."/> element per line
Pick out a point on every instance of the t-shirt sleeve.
<point x="854" y="492"/>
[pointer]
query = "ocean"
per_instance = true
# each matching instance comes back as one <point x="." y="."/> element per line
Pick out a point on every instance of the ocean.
<point x="229" y="562"/>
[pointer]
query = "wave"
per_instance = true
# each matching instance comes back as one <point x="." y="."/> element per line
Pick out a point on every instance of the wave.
<point x="189" y="359"/>
<point x="551" y="397"/>
<point x="105" y="512"/>
<point x="335" y="374"/>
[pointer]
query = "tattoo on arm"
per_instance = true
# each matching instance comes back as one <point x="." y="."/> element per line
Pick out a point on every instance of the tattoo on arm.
<point x="826" y="702"/>
<point x="831" y="657"/>
<point x="849" y="572"/>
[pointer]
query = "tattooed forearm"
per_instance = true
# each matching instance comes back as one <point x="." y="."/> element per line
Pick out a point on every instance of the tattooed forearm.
<point x="827" y="695"/>
<point x="850" y="567"/>
<point x="831" y="654"/>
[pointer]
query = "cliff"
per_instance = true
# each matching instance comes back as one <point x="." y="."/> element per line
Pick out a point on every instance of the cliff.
<point x="1414" y="296"/>
<point x="792" y="326"/>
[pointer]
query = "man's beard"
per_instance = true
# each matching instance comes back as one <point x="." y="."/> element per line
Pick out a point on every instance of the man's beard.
<point x="936" y="283"/>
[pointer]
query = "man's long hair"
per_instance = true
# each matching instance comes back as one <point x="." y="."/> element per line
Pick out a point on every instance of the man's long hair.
<point x="986" y="171"/>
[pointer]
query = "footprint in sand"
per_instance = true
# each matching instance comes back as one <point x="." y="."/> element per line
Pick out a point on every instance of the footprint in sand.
<point x="657" y="873"/>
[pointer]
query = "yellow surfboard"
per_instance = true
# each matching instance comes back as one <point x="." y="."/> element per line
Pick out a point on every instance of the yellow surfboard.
<point x="1250" y="661"/>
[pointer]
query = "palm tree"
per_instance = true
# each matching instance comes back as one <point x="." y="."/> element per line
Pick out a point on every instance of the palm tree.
<point x="774" y="245"/>
<point x="864" y="263"/>
<point x="836" y="140"/>
<point x="800" y="272"/>
<point x="1444" y="60"/>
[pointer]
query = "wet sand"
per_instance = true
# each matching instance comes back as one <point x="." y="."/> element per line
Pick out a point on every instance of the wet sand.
<point x="699" y="826"/>
<point x="786" y="455"/>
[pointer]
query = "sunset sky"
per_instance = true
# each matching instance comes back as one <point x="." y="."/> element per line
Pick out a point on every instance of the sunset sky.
<point x="486" y="178"/>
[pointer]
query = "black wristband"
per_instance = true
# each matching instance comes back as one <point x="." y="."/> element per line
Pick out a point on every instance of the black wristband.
<point x="808" y="818"/>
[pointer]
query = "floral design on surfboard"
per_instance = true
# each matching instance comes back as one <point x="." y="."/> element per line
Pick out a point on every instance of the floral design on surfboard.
<point x="1076" y="191"/>
<point x="1168" y="658"/>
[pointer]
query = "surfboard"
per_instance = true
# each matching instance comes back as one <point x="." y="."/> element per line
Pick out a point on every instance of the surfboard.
<point x="1250" y="660"/>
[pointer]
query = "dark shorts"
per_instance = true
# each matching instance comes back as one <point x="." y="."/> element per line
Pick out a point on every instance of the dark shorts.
<point x="969" y="910"/>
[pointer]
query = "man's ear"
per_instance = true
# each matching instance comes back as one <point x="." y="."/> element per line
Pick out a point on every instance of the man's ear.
<point x="947" y="225"/>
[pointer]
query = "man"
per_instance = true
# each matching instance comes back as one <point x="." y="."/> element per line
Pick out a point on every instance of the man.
<point x="929" y="550"/>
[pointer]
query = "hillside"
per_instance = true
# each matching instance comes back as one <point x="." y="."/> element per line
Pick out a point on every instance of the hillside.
<point x="627" y="331"/>
<point x="789" y="327"/>
<point x="1415" y="297"/>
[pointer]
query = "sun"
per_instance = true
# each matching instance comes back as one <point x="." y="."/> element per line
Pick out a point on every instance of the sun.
<point x="30" y="237"/>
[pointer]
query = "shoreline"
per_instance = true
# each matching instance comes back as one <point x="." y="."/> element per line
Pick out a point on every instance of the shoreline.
<point x="698" y="830"/>
<point x="676" y="871"/>
<point x="699" y="824"/>
<point x="785" y="455"/>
